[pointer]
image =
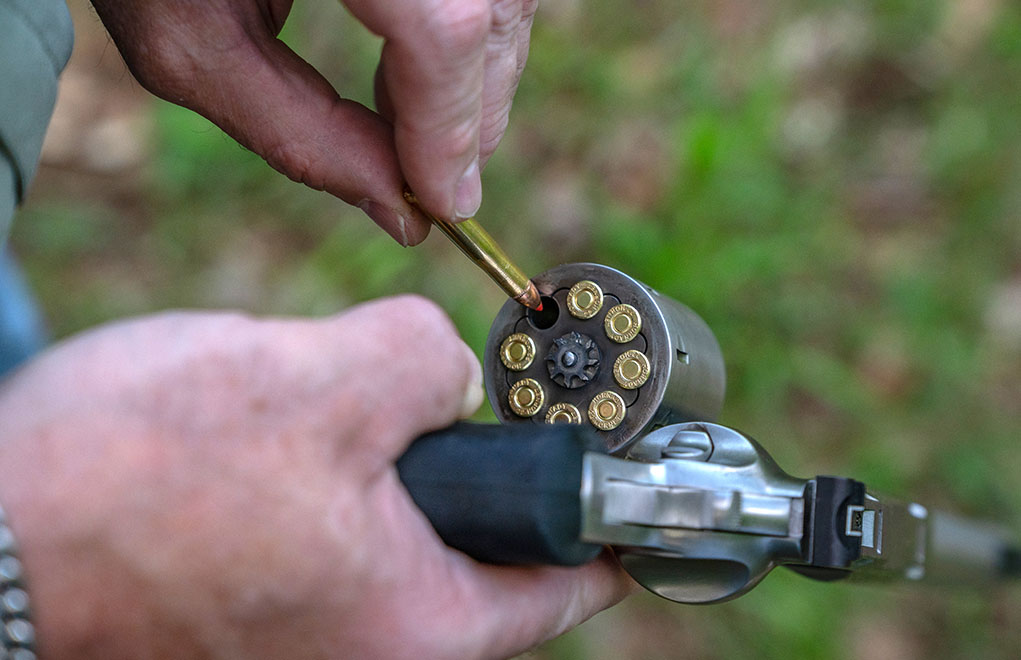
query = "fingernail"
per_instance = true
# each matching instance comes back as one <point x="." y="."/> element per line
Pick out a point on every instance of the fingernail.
<point x="473" y="393"/>
<point x="468" y="194"/>
<point x="387" y="218"/>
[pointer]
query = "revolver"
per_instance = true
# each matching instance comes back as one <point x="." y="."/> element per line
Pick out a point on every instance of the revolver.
<point x="607" y="399"/>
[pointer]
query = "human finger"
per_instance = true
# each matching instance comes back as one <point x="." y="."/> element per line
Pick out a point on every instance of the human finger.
<point x="529" y="605"/>
<point x="506" y="52"/>
<point x="232" y="70"/>
<point x="432" y="68"/>
<point x="501" y="72"/>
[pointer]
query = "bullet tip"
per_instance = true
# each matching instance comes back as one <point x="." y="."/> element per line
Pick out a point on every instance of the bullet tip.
<point x="530" y="297"/>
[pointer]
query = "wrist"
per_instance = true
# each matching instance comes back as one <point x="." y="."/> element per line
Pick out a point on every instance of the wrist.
<point x="17" y="638"/>
<point x="73" y="595"/>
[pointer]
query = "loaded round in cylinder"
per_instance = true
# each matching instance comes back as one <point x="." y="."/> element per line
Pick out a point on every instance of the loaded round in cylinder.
<point x="605" y="337"/>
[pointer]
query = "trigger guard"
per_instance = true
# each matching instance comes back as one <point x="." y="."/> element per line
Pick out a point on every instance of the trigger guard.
<point x="694" y="581"/>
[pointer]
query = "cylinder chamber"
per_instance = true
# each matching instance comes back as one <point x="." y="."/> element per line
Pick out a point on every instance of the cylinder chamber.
<point x="627" y="358"/>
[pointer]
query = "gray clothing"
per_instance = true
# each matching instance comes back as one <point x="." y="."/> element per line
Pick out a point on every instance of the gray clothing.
<point x="35" y="43"/>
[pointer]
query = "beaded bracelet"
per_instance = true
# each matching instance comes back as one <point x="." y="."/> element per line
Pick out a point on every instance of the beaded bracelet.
<point x="17" y="635"/>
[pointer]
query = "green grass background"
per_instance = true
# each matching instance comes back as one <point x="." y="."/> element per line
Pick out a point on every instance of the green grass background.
<point x="834" y="187"/>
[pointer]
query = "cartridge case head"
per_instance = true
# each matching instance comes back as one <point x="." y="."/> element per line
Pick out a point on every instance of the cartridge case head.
<point x="517" y="351"/>
<point x="563" y="413"/>
<point x="631" y="369"/>
<point x="585" y="299"/>
<point x="606" y="410"/>
<point x="526" y="397"/>
<point x="622" y="323"/>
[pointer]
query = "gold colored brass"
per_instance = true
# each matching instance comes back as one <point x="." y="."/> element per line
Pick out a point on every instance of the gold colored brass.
<point x="585" y="299"/>
<point x="526" y="397"/>
<point x="479" y="246"/>
<point x="631" y="369"/>
<point x="517" y="351"/>
<point x="606" y="410"/>
<point x="563" y="413"/>
<point x="622" y="323"/>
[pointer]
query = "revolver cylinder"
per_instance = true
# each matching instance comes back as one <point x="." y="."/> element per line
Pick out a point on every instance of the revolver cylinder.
<point x="624" y="357"/>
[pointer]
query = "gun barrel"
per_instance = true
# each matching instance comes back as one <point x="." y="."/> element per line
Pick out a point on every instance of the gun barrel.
<point x="961" y="550"/>
<point x="906" y="541"/>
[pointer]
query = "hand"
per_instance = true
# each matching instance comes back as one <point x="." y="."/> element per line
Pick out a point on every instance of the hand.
<point x="212" y="486"/>
<point x="444" y="86"/>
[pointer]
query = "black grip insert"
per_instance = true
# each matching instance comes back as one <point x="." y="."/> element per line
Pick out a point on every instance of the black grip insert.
<point x="503" y="494"/>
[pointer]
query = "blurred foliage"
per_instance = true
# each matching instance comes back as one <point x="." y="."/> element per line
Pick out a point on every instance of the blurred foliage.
<point x="834" y="187"/>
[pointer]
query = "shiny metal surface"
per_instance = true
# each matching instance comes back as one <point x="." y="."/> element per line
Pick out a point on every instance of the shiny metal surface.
<point x="700" y="528"/>
<point x="563" y="413"/>
<point x="526" y="397"/>
<point x="686" y="378"/>
<point x="631" y="369"/>
<point x="698" y="512"/>
<point x="517" y="351"/>
<point x="622" y="323"/>
<point x="905" y="541"/>
<point x="476" y="244"/>
<point x="584" y="299"/>
<point x="606" y="411"/>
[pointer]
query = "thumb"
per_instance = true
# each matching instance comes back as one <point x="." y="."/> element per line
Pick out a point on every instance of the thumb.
<point x="280" y="107"/>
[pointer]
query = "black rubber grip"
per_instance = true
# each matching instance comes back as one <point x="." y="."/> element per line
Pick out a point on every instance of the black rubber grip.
<point x="503" y="494"/>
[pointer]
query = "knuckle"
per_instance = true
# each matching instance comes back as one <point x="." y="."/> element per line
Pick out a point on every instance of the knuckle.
<point x="168" y="61"/>
<point x="489" y="143"/>
<point x="420" y="317"/>
<point x="293" y="161"/>
<point x="458" y="138"/>
<point x="459" y="26"/>
<point x="528" y="9"/>
<point x="410" y="324"/>
<point x="439" y="139"/>
<point x="494" y="125"/>
<point x="506" y="16"/>
<point x="192" y="348"/>
<point x="208" y="331"/>
<point x="161" y="69"/>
